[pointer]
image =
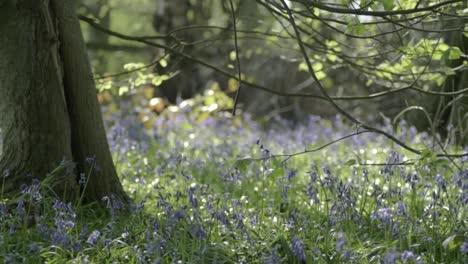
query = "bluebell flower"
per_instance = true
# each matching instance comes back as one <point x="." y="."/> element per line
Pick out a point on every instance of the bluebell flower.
<point x="198" y="231"/>
<point x="76" y="246"/>
<point x="20" y="208"/>
<point x="107" y="243"/>
<point x="390" y="257"/>
<point x="326" y="170"/>
<point x="383" y="214"/>
<point x="82" y="179"/>
<point x="291" y="173"/>
<point x="33" y="248"/>
<point x="93" y="237"/>
<point x="340" y="242"/>
<point x="284" y="191"/>
<point x="179" y="214"/>
<point x="61" y="238"/>
<point x="407" y="256"/>
<point x="464" y="248"/>
<point x="273" y="258"/>
<point x="90" y="159"/>
<point x="297" y="247"/>
<point x="402" y="209"/>
<point x="33" y="190"/>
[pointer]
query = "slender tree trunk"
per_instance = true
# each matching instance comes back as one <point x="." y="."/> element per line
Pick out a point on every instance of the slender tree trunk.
<point x="454" y="110"/>
<point x="48" y="104"/>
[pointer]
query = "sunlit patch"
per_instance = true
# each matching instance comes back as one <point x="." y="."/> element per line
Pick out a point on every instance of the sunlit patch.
<point x="173" y="109"/>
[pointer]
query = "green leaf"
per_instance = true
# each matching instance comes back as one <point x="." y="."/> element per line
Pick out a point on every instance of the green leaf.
<point x="277" y="173"/>
<point x="453" y="53"/>
<point x="332" y="57"/>
<point x="428" y="154"/>
<point x="123" y="90"/>
<point x="351" y="162"/>
<point x="163" y="63"/>
<point x="302" y="67"/>
<point x="387" y="4"/>
<point x="442" y="162"/>
<point x="318" y="66"/>
<point x="365" y="3"/>
<point x="453" y="242"/>
<point x="320" y="75"/>
<point x="355" y="27"/>
<point x="243" y="163"/>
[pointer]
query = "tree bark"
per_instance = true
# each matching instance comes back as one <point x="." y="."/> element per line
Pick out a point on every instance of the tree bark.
<point x="453" y="110"/>
<point x="48" y="104"/>
<point x="33" y="112"/>
<point x="88" y="137"/>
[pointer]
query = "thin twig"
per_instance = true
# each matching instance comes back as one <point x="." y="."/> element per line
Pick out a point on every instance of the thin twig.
<point x="100" y="77"/>
<point x="239" y="75"/>
<point x="337" y="107"/>
<point x="169" y="49"/>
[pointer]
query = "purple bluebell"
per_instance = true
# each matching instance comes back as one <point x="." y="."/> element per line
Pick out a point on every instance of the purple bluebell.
<point x="340" y="242"/>
<point x="464" y="248"/>
<point x="390" y="257"/>
<point x="297" y="247"/>
<point x="407" y="256"/>
<point x="93" y="237"/>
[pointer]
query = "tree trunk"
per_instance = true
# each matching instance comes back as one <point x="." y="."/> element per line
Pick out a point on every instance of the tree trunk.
<point x="453" y="110"/>
<point x="48" y="104"/>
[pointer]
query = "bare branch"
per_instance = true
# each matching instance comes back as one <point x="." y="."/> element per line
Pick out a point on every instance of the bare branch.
<point x="337" y="107"/>
<point x="239" y="73"/>
<point x="329" y="8"/>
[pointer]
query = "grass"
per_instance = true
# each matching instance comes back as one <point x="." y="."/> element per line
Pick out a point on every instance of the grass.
<point x="209" y="190"/>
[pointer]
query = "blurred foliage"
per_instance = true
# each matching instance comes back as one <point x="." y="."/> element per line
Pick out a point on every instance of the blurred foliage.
<point x="352" y="55"/>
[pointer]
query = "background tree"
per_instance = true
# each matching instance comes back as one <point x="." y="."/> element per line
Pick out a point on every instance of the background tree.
<point x="389" y="57"/>
<point x="49" y="110"/>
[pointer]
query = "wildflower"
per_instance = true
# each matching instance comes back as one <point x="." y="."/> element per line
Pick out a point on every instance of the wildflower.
<point x="291" y="174"/>
<point x="327" y="171"/>
<point x="113" y="203"/>
<point x="384" y="215"/>
<point x="179" y="214"/>
<point x="284" y="191"/>
<point x="297" y="247"/>
<point x="464" y="248"/>
<point x="3" y="209"/>
<point x="274" y="258"/>
<point x="390" y="257"/>
<point x="402" y="209"/>
<point x="20" y="208"/>
<point x="198" y="231"/>
<point x="93" y="237"/>
<point x="83" y="232"/>
<point x="82" y="180"/>
<point x="33" y="248"/>
<point x="340" y="242"/>
<point x="64" y="224"/>
<point x="366" y="174"/>
<point x="76" y="247"/>
<point x="33" y="190"/>
<point x="91" y="159"/>
<point x="107" y="242"/>
<point x="192" y="198"/>
<point x="61" y="238"/>
<point x="407" y="256"/>
<point x="441" y="182"/>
